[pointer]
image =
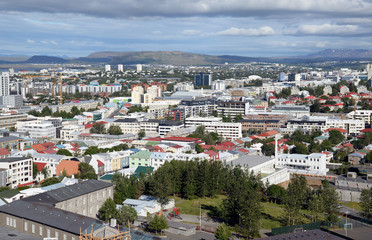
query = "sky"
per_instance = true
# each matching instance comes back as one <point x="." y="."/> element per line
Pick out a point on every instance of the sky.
<point x="264" y="28"/>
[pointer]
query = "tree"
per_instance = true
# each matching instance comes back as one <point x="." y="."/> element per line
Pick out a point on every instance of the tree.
<point x="366" y="203"/>
<point x="336" y="136"/>
<point x="44" y="171"/>
<point x="35" y="171"/>
<point x="92" y="150"/>
<point x="49" y="181"/>
<point x="12" y="129"/>
<point x="315" y="206"/>
<point x="330" y="199"/>
<point x="98" y="128"/>
<point x="115" y="130"/>
<point x="157" y="224"/>
<point x="86" y="171"/>
<point x="141" y="134"/>
<point x="198" y="148"/>
<point x="64" y="152"/>
<point x="222" y="232"/>
<point x="4" y="189"/>
<point x="276" y="192"/>
<point x="268" y="149"/>
<point x="300" y="149"/>
<point x="107" y="210"/>
<point x="126" y="214"/>
<point x="200" y="130"/>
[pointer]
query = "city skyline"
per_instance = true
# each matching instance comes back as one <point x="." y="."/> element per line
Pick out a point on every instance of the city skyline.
<point x="246" y="28"/>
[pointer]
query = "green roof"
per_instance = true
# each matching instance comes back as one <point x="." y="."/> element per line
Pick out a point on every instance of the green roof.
<point x="69" y="119"/>
<point x="364" y="151"/>
<point x="150" y="143"/>
<point x="321" y="137"/>
<point x="9" y="193"/>
<point x="143" y="169"/>
<point x="107" y="177"/>
<point x="141" y="154"/>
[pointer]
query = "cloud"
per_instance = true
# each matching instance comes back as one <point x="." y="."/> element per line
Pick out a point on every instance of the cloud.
<point x="156" y="32"/>
<point x="328" y="29"/>
<point x="233" y="31"/>
<point x="30" y="41"/>
<point x="190" y="32"/>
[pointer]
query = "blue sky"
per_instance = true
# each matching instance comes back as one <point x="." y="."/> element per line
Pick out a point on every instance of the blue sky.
<point x="236" y="27"/>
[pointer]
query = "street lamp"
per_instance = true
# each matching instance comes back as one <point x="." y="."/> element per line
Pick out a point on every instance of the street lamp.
<point x="346" y="226"/>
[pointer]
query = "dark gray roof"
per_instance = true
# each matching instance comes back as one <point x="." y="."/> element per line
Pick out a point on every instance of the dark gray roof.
<point x="50" y="216"/>
<point x="11" y="233"/>
<point x="68" y="192"/>
<point x="14" y="159"/>
<point x="10" y="138"/>
<point x="308" y="235"/>
<point x="127" y="120"/>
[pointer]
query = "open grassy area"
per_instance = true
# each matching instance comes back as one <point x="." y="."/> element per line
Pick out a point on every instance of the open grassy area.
<point x="192" y="207"/>
<point x="272" y="214"/>
<point x="354" y="205"/>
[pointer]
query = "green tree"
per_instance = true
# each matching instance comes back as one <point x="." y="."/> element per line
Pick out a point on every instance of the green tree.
<point x="98" y="128"/>
<point x="300" y="149"/>
<point x="64" y="152"/>
<point x="12" y="129"/>
<point x="198" y="148"/>
<point x="35" y="171"/>
<point x="330" y="199"/>
<point x="268" y="149"/>
<point x="86" y="171"/>
<point x="276" y="193"/>
<point x="336" y="136"/>
<point x="157" y="224"/>
<point x="44" y="171"/>
<point x="200" y="130"/>
<point x="4" y="189"/>
<point x="366" y="203"/>
<point x="315" y="207"/>
<point x="92" y="150"/>
<point x="126" y="214"/>
<point x="49" y="181"/>
<point x="141" y="134"/>
<point x="115" y="130"/>
<point x="107" y="210"/>
<point x="222" y="232"/>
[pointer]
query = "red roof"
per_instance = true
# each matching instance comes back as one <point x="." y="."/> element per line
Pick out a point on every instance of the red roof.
<point x="272" y="97"/>
<point x="227" y="144"/>
<point x="100" y="164"/>
<point x="177" y="146"/>
<point x="337" y="129"/>
<point x="89" y="125"/>
<point x="348" y="145"/>
<point x="339" y="104"/>
<point x="326" y="153"/>
<point x="269" y="133"/>
<point x="211" y="153"/>
<point x="85" y="134"/>
<point x="205" y="146"/>
<point x="181" y="139"/>
<point x="4" y="151"/>
<point x="38" y="147"/>
<point x="40" y="165"/>
<point x="26" y="184"/>
<point x="311" y="97"/>
<point x="366" y="130"/>
<point x="243" y="150"/>
<point x="279" y="142"/>
<point x="50" y="151"/>
<point x="155" y="139"/>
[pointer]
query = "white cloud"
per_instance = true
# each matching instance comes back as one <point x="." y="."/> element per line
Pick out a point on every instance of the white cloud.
<point x="30" y="41"/>
<point x="328" y="29"/>
<point x="156" y="32"/>
<point x="53" y="42"/>
<point x="233" y="31"/>
<point x="190" y="32"/>
<point x="44" y="42"/>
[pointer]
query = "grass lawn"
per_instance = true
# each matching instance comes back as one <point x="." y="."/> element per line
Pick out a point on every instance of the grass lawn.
<point x="354" y="205"/>
<point x="192" y="207"/>
<point x="271" y="215"/>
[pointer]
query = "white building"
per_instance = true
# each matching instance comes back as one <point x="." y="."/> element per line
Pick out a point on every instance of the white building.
<point x="227" y="130"/>
<point x="120" y="68"/>
<point x="128" y="125"/>
<point x="44" y="129"/>
<point x="4" y="84"/>
<point x="313" y="164"/>
<point x="107" y="68"/>
<point x="19" y="170"/>
<point x="139" y="68"/>
<point x="364" y="115"/>
<point x="137" y="93"/>
<point x="219" y="85"/>
<point x="67" y="131"/>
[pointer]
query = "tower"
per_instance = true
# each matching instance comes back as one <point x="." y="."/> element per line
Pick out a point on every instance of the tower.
<point x="369" y="71"/>
<point x="139" y="67"/>
<point x="120" y="68"/>
<point x="4" y="84"/>
<point x="107" y="68"/>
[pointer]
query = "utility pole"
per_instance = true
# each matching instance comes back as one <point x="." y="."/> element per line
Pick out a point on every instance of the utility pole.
<point x="200" y="216"/>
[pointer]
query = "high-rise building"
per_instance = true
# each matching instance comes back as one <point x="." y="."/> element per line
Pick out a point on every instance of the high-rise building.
<point x="120" y="68"/>
<point x="203" y="79"/>
<point x="4" y="84"/>
<point x="137" y="93"/>
<point x="139" y="67"/>
<point x="369" y="71"/>
<point x="107" y="68"/>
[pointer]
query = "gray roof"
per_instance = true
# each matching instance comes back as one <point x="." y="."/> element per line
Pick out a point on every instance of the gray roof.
<point x="68" y="192"/>
<point x="50" y="216"/>
<point x="250" y="160"/>
<point x="11" y="233"/>
<point x="14" y="159"/>
<point x="10" y="138"/>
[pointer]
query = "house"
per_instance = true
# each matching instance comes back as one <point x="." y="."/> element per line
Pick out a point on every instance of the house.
<point x="355" y="158"/>
<point x="20" y="165"/>
<point x="69" y="167"/>
<point x="4" y="153"/>
<point x="146" y="204"/>
<point x="141" y="158"/>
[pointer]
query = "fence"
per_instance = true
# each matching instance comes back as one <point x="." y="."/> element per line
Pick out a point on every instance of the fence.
<point x="291" y="229"/>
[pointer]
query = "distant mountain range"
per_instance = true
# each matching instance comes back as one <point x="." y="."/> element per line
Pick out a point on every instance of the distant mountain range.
<point x="184" y="58"/>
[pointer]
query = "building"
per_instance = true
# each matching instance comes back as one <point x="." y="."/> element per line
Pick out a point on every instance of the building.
<point x="141" y="158"/>
<point x="214" y="124"/>
<point x="364" y="115"/>
<point x="11" y="101"/>
<point x="44" y="129"/>
<point x="139" y="68"/>
<point x="19" y="170"/>
<point x="10" y="142"/>
<point x="120" y="68"/>
<point x="203" y="79"/>
<point x="166" y="126"/>
<point x="369" y="71"/>
<point x="249" y="125"/>
<point x="232" y="108"/>
<point x="97" y="89"/>
<point x="67" y="167"/>
<point x="136" y="94"/>
<point x="4" y="84"/>
<point x="198" y="106"/>
<point x="128" y="125"/>
<point x="107" y="68"/>
<point x="291" y="111"/>
<point x="177" y="114"/>
<point x="8" y="120"/>
<point x="313" y="164"/>
<point x="219" y="85"/>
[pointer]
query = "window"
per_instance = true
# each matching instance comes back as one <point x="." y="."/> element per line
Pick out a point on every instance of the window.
<point x="26" y="227"/>
<point x="7" y="221"/>
<point x="64" y="237"/>
<point x="41" y="231"/>
<point x="14" y="223"/>
<point x="73" y="238"/>
<point x="33" y="228"/>
<point x="56" y="235"/>
<point x="48" y="233"/>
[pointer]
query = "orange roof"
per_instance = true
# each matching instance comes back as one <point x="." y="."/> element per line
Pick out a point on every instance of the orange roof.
<point x="38" y="147"/>
<point x="239" y="141"/>
<point x="211" y="153"/>
<point x="71" y="167"/>
<point x="4" y="151"/>
<point x="337" y="129"/>
<point x="269" y="133"/>
<point x="155" y="139"/>
<point x="181" y="139"/>
<point x="40" y="165"/>
<point x="226" y="144"/>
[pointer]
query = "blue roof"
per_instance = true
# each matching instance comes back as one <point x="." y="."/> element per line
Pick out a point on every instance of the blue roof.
<point x="60" y="146"/>
<point x="233" y="152"/>
<point x="54" y="186"/>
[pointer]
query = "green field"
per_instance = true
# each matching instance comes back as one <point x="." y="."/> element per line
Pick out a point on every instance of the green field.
<point x="354" y="205"/>
<point x="271" y="215"/>
<point x="192" y="207"/>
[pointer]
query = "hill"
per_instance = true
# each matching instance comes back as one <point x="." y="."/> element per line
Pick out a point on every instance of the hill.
<point x="45" y="59"/>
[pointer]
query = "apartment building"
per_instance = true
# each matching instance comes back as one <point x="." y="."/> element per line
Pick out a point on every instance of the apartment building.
<point x="10" y="142"/>
<point x="313" y="164"/>
<point x="43" y="129"/>
<point x="232" y="108"/>
<point x="267" y="116"/>
<point x="10" y="120"/>
<point x="128" y="125"/>
<point x="166" y="126"/>
<point x="18" y="170"/>
<point x="214" y="124"/>
<point x="292" y="111"/>
<point x="198" y="106"/>
<point x="259" y="125"/>
<point x="364" y="115"/>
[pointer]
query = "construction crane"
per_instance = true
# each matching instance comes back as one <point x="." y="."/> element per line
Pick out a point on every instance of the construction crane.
<point x="60" y="93"/>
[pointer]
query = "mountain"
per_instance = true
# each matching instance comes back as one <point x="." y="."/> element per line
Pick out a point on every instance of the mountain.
<point x="341" y="54"/>
<point x="45" y="59"/>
